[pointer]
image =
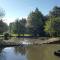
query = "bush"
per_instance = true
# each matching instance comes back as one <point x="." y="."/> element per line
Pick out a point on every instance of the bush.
<point x="6" y="36"/>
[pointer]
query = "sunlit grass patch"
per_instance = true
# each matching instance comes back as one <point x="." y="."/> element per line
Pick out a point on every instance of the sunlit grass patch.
<point x="21" y="34"/>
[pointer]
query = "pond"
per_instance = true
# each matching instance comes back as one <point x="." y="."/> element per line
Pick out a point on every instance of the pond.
<point x="32" y="52"/>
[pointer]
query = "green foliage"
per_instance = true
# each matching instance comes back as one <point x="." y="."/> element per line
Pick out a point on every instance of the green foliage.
<point x="52" y="26"/>
<point x="23" y="26"/>
<point x="18" y="26"/>
<point x="6" y="35"/>
<point x="2" y="13"/>
<point x="11" y="27"/>
<point x="3" y="27"/>
<point x="35" y="22"/>
<point x="55" y="12"/>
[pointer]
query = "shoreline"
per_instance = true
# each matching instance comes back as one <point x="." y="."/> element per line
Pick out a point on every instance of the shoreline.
<point x="49" y="41"/>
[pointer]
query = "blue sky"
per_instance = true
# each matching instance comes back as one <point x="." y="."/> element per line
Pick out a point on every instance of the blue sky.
<point x="21" y="8"/>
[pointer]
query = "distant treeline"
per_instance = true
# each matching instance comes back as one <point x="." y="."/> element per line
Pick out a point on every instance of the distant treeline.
<point x="36" y="24"/>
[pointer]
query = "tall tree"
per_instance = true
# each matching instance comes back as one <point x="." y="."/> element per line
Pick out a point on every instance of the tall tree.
<point x="16" y="26"/>
<point x="35" y="22"/>
<point x="53" y="28"/>
<point x="11" y="27"/>
<point x="55" y="12"/>
<point x="53" y="18"/>
<point x="3" y="27"/>
<point x="2" y="13"/>
<point x="19" y="26"/>
<point x="23" y="26"/>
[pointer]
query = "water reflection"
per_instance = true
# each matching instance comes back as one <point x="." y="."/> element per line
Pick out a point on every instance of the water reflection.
<point x="2" y="54"/>
<point x="9" y="53"/>
<point x="32" y="52"/>
<point x="42" y="52"/>
<point x="21" y="50"/>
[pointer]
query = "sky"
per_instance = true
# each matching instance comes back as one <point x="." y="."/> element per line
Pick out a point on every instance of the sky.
<point x="21" y="8"/>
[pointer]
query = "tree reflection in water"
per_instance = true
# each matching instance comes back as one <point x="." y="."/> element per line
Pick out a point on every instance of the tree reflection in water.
<point x="31" y="52"/>
<point x="2" y="54"/>
<point x="20" y="49"/>
<point x="43" y="52"/>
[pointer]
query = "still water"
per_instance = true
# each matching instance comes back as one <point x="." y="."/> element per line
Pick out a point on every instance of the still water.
<point x="33" y="52"/>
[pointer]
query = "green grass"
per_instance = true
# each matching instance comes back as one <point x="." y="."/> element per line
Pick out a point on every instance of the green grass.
<point x="21" y="34"/>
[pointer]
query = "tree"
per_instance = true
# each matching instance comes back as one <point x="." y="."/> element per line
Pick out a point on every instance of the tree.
<point x="3" y="27"/>
<point x="53" y="27"/>
<point x="55" y="12"/>
<point x="35" y="23"/>
<point x="2" y="13"/>
<point x="23" y="26"/>
<point x="50" y="24"/>
<point x="19" y="26"/>
<point x="11" y="27"/>
<point x="16" y="26"/>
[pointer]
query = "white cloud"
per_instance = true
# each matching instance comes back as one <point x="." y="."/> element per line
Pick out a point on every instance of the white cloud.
<point x="9" y="20"/>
